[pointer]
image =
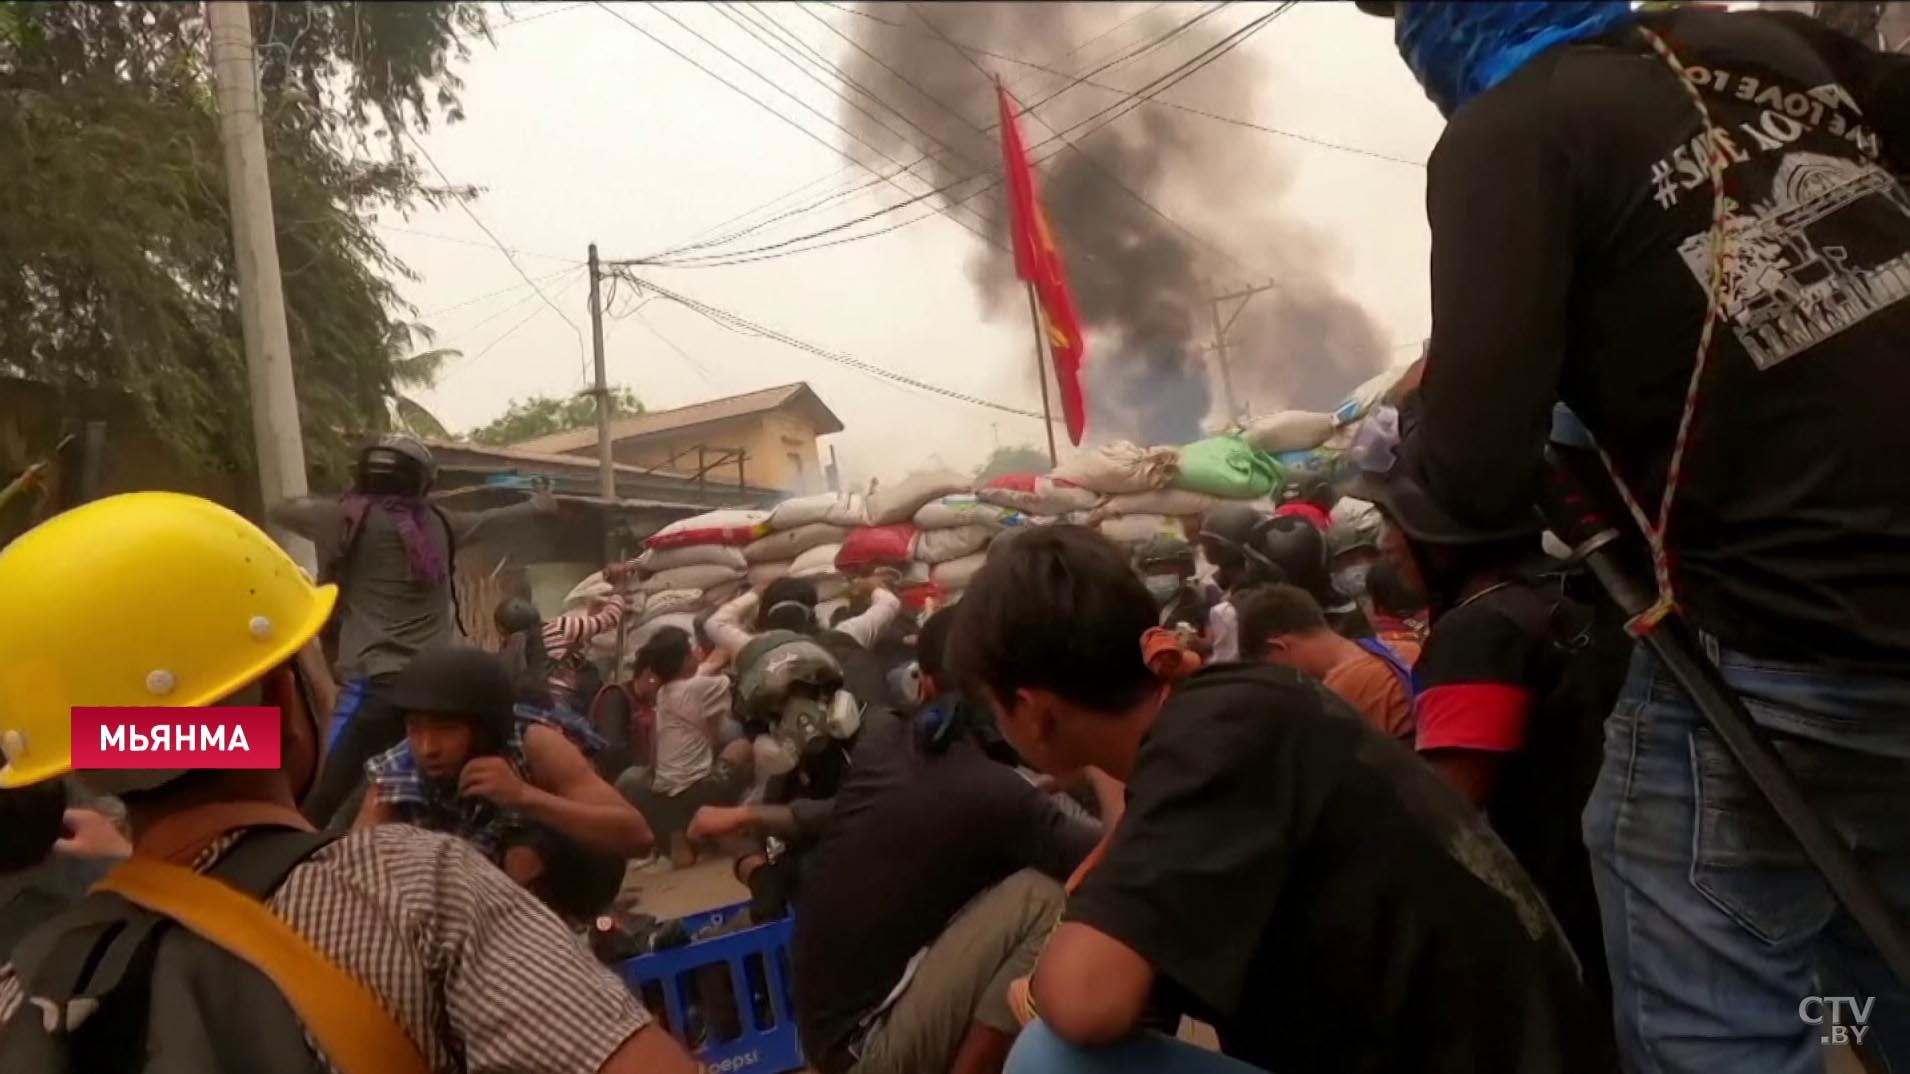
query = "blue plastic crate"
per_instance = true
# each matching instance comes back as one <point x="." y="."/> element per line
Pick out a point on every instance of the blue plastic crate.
<point x="728" y="998"/>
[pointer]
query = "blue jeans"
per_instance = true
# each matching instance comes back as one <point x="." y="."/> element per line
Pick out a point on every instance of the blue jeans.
<point x="1038" y="1051"/>
<point x="1716" y="926"/>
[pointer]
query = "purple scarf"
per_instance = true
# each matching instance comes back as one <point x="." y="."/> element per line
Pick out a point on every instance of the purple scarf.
<point x="408" y="514"/>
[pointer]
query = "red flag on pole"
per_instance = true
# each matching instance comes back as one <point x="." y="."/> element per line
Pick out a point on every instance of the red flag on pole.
<point x="1038" y="261"/>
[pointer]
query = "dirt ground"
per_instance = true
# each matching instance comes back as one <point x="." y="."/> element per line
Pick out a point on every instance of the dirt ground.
<point x="679" y="892"/>
<point x="709" y="884"/>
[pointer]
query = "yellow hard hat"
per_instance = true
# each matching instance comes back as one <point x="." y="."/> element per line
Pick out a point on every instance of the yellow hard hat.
<point x="150" y="598"/>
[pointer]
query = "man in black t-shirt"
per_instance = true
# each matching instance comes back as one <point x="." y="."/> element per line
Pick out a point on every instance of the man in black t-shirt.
<point x="1282" y="871"/>
<point x="936" y="883"/>
<point x="1513" y="686"/>
<point x="1664" y="189"/>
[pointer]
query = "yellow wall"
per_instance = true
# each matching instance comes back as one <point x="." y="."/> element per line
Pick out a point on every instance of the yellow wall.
<point x="770" y="439"/>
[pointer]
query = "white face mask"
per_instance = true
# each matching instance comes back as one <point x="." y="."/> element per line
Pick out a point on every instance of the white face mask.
<point x="1162" y="587"/>
<point x="1351" y="581"/>
<point x="774" y="757"/>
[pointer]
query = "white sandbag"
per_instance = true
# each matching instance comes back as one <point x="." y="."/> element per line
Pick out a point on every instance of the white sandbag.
<point x="1289" y="430"/>
<point x="955" y="574"/>
<point x="964" y="509"/>
<point x="818" y="560"/>
<point x="1121" y="467"/>
<point x="723" y="592"/>
<point x="1041" y="495"/>
<point x="593" y="588"/>
<point x="670" y="602"/>
<point x="765" y="573"/>
<point x="1176" y="503"/>
<point x="785" y="545"/>
<point x="654" y="560"/>
<point x="728" y="526"/>
<point x="850" y="511"/>
<point x="699" y="577"/>
<point x="940" y="546"/>
<point x="1140" y="529"/>
<point x="822" y="507"/>
<point x="899" y="502"/>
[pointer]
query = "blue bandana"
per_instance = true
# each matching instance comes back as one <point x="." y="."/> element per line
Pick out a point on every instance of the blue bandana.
<point x="1461" y="48"/>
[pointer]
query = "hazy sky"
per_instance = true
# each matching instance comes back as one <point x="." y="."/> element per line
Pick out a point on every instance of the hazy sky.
<point x="579" y="129"/>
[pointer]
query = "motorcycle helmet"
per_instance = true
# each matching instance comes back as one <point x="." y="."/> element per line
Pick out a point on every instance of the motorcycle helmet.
<point x="396" y="466"/>
<point x="1229" y="538"/>
<point x="457" y="680"/>
<point x="1298" y="550"/>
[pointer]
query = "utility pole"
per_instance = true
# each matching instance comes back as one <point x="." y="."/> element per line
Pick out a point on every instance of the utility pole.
<point x="268" y="350"/>
<point x="606" y="468"/>
<point x="1220" y="343"/>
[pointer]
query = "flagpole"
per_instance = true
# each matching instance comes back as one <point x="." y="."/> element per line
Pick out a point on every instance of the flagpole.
<point x="1041" y="371"/>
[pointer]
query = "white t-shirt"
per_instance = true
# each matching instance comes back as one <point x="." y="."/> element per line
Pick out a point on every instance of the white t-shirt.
<point x="689" y="712"/>
<point x="1223" y="629"/>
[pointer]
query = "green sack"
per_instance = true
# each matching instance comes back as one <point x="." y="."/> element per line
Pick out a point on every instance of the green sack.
<point x="1228" y="467"/>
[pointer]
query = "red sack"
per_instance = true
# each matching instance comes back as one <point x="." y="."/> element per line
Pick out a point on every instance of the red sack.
<point x="867" y="547"/>
<point x="917" y="597"/>
<point x="1013" y="483"/>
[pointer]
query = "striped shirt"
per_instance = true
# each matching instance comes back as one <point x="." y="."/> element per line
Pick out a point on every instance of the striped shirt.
<point x="481" y="976"/>
<point x="567" y="646"/>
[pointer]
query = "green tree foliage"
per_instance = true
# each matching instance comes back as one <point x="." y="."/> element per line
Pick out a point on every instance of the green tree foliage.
<point x="1020" y="459"/>
<point x="542" y="415"/>
<point x="116" y="263"/>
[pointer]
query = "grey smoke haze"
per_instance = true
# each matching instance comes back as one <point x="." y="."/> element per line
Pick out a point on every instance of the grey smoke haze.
<point x="1141" y="282"/>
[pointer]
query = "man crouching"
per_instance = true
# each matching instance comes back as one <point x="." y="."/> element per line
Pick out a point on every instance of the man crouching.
<point x="505" y="780"/>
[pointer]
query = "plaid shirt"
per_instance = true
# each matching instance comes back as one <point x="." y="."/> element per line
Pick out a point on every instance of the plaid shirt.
<point x="394" y="773"/>
<point x="481" y="976"/>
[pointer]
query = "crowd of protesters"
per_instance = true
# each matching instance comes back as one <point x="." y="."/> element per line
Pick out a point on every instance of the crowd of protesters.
<point x="1368" y="782"/>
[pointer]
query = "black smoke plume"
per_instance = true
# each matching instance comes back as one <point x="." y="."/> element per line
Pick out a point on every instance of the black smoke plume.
<point x="1142" y="280"/>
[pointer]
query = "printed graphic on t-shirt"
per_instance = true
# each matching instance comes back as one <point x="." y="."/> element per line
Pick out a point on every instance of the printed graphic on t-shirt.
<point x="1822" y="249"/>
<point x="1796" y="269"/>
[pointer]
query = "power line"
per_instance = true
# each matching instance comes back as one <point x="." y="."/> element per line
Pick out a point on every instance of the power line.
<point x="813" y="136"/>
<point x="544" y="11"/>
<point x="461" y="363"/>
<point x="501" y="248"/>
<point x="842" y="77"/>
<point x="850" y="191"/>
<point x="1175" y="105"/>
<point x="1085" y="155"/>
<point x="473" y="242"/>
<point x="743" y="326"/>
<point x="1160" y="85"/>
<point x="492" y="294"/>
<point x="659" y="9"/>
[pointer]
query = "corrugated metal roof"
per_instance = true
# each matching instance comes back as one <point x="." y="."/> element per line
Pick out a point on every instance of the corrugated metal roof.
<point x="710" y="410"/>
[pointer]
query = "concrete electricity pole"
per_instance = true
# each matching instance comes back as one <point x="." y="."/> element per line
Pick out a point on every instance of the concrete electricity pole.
<point x="1220" y="343"/>
<point x="268" y="351"/>
<point x="606" y="468"/>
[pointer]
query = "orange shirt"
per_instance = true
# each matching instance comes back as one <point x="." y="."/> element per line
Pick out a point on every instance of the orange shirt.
<point x="1368" y="684"/>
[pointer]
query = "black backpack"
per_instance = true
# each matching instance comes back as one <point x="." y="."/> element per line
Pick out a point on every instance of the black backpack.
<point x="167" y="1001"/>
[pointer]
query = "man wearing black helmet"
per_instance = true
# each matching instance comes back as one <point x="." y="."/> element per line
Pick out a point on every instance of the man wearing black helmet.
<point x="504" y="779"/>
<point x="1679" y="224"/>
<point x="393" y="554"/>
<point x="1167" y="566"/>
<point x="1250" y="549"/>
